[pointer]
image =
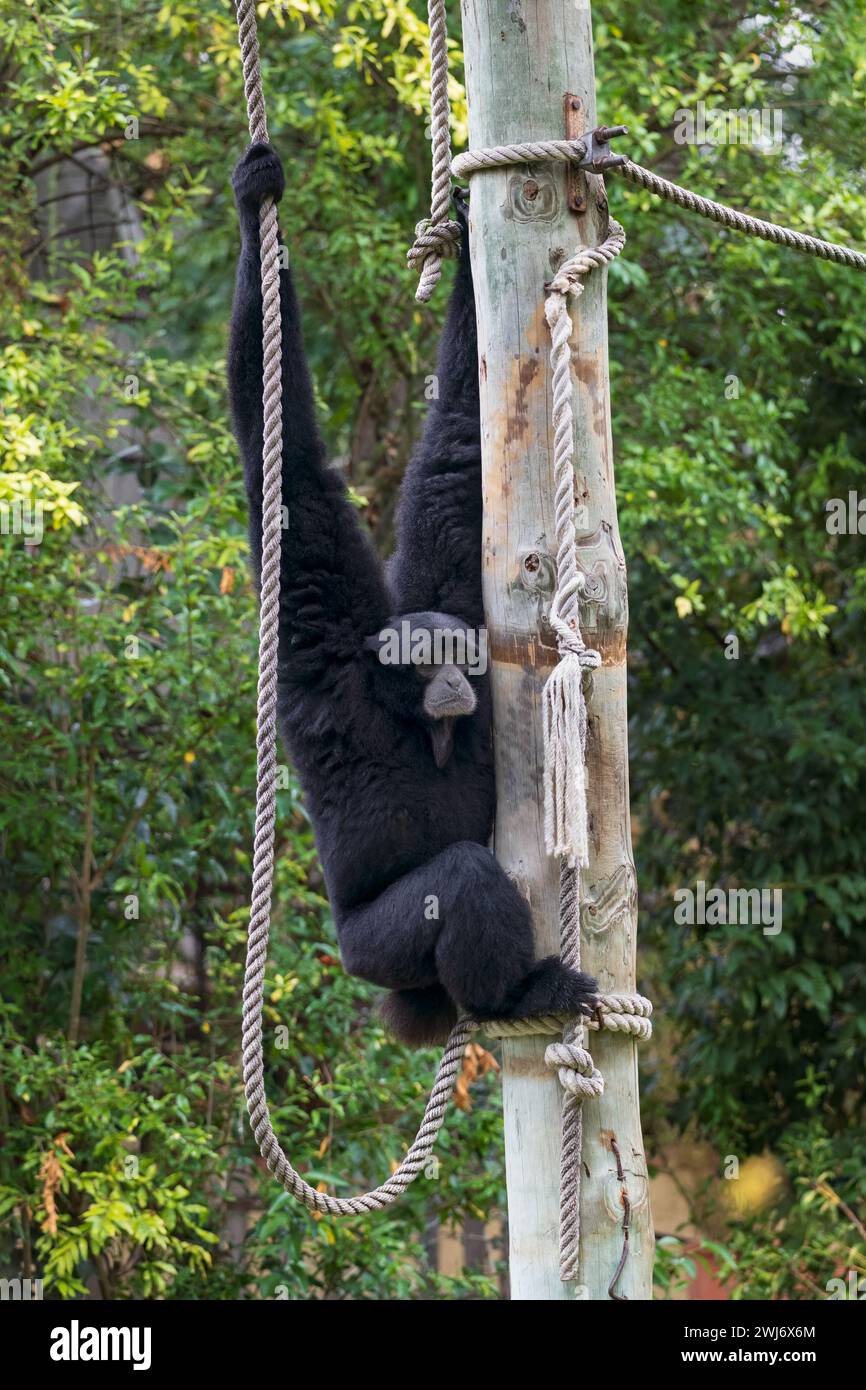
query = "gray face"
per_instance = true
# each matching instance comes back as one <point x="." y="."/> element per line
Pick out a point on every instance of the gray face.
<point x="448" y="693"/>
<point x="434" y="645"/>
<point x="448" y="696"/>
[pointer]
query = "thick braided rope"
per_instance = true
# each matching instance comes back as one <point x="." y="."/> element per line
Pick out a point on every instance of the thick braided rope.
<point x="565" y="744"/>
<point x="527" y="152"/>
<point x="740" y="221"/>
<point x="565" y="609"/>
<point x="618" y="1013"/>
<point x="565" y="823"/>
<point x="437" y="236"/>
<point x="501" y="156"/>
<point x="578" y="1077"/>
<point x="266" y="743"/>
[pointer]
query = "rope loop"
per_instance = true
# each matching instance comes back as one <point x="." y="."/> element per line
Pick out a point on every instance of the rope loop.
<point x="433" y="239"/>
<point x="578" y="1074"/>
<point x="567" y="279"/>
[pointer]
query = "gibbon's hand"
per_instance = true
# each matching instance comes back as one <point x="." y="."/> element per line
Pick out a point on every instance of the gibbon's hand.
<point x="257" y="176"/>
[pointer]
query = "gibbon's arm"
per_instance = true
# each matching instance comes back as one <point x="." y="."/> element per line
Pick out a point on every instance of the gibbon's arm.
<point x="332" y="594"/>
<point x="437" y="562"/>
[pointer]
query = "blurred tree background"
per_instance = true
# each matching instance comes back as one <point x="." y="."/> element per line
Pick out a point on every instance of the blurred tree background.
<point x="128" y="643"/>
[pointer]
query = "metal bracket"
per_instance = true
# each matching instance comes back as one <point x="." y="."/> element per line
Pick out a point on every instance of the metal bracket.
<point x="575" y="183"/>
<point x="596" y="156"/>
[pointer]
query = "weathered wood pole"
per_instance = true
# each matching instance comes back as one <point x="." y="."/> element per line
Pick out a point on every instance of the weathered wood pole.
<point x="522" y="60"/>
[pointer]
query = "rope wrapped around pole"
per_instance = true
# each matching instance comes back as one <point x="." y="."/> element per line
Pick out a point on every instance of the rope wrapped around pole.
<point x="571" y="151"/>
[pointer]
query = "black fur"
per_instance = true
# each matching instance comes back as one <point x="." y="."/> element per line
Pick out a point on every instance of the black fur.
<point x="421" y="905"/>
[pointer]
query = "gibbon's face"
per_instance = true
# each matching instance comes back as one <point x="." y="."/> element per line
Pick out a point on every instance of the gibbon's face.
<point x="447" y="696"/>
<point x="444" y="654"/>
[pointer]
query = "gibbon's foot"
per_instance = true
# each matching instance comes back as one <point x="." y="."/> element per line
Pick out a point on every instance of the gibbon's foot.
<point x="549" y="988"/>
<point x="258" y="175"/>
<point x="419" y="1017"/>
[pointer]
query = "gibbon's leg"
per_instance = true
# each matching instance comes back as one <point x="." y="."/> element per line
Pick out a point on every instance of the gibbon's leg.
<point x="437" y="562"/>
<point x="332" y="593"/>
<point x="458" y="921"/>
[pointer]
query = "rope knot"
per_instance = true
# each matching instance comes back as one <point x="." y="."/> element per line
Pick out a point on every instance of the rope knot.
<point x="571" y="644"/>
<point x="434" y="242"/>
<point x="578" y="1073"/>
<point x="567" y="278"/>
<point x="568" y="636"/>
<point x="437" y="238"/>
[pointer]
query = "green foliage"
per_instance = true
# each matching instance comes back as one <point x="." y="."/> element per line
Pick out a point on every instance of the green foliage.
<point x="132" y="1218"/>
<point x="128" y="676"/>
<point x="738" y="399"/>
<point x="805" y="1240"/>
<point x="127" y="636"/>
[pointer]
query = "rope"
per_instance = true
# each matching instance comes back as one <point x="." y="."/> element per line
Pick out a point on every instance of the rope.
<point x="436" y="236"/>
<point x="266" y="743"/>
<point x="579" y="1077"/>
<point x="571" y="151"/>
<point x="620" y="1013"/>
<point x="565" y="727"/>
<point x="529" y="152"/>
<point x="741" y="221"/>
<point x="565" y="821"/>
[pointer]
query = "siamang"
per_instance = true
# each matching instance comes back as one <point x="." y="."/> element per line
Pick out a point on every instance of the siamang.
<point x="394" y="757"/>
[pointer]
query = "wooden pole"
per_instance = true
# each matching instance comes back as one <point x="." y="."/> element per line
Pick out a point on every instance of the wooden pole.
<point x="522" y="63"/>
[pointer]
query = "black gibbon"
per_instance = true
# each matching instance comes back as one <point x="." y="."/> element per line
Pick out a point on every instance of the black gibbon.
<point x="395" y="759"/>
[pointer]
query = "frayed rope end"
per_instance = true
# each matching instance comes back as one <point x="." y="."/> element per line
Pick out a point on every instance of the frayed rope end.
<point x="565" y="813"/>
